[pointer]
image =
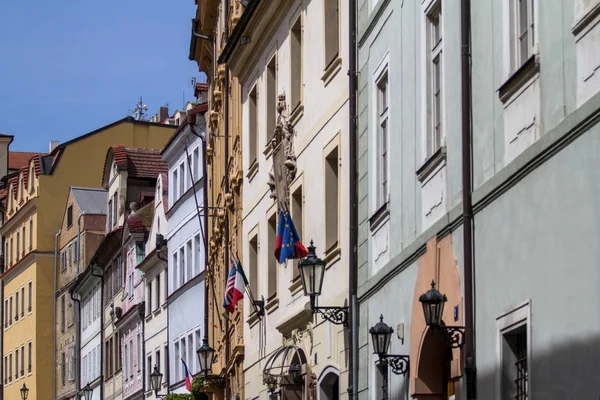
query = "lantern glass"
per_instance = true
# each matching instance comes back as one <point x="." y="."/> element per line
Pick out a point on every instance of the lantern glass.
<point x="24" y="392"/>
<point x="433" y="306"/>
<point x="156" y="379"/>
<point x="206" y="355"/>
<point x="381" y="336"/>
<point x="87" y="392"/>
<point x="312" y="270"/>
<point x="294" y="372"/>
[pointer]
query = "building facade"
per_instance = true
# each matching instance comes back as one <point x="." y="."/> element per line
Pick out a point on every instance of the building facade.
<point x="42" y="189"/>
<point x="185" y="238"/>
<point x="287" y="80"/>
<point x="81" y="232"/>
<point x="533" y="109"/>
<point x="154" y="268"/>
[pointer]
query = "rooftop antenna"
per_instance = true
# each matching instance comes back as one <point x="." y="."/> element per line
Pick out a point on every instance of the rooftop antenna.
<point x="140" y="110"/>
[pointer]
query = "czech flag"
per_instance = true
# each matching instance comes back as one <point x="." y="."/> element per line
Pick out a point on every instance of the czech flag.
<point x="236" y="283"/>
<point x="188" y="380"/>
<point x="287" y="242"/>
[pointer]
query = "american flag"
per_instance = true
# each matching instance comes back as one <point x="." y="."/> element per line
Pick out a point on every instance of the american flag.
<point x="236" y="284"/>
<point x="230" y="284"/>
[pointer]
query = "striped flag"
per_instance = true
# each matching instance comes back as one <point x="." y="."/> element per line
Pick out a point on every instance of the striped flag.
<point x="188" y="380"/>
<point x="236" y="282"/>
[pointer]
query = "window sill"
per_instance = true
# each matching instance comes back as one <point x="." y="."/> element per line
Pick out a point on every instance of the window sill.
<point x="519" y="78"/>
<point x="380" y="217"/>
<point x="332" y="255"/>
<point x="331" y="71"/>
<point x="295" y="285"/>
<point x="253" y="170"/>
<point x="431" y="164"/>
<point x="253" y="319"/>
<point x="156" y="312"/>
<point x="268" y="151"/>
<point x="586" y="20"/>
<point x="272" y="304"/>
<point x="297" y="114"/>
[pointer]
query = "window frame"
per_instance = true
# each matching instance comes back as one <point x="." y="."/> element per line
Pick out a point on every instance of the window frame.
<point x="506" y="323"/>
<point x="435" y="84"/>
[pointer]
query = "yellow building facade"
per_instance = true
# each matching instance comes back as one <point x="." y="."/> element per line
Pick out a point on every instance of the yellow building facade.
<point x="34" y="215"/>
<point x="224" y="159"/>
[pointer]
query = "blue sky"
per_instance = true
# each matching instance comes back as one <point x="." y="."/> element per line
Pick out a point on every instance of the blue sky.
<point x="68" y="67"/>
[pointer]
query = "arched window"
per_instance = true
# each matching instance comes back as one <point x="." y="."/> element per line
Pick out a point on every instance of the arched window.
<point x="329" y="384"/>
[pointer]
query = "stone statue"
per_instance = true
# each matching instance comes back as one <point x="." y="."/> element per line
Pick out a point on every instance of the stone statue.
<point x="284" y="168"/>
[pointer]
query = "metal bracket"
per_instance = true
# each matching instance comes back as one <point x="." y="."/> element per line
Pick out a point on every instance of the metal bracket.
<point x="335" y="315"/>
<point x="455" y="336"/>
<point x="399" y="364"/>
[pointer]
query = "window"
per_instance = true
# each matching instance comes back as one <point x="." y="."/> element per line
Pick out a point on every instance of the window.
<point x="117" y="348"/>
<point x="298" y="217"/>
<point x="157" y="360"/>
<point x="30" y="294"/>
<point x="6" y="252"/>
<point x="435" y="106"/>
<point x="149" y="371"/>
<point x="272" y="263"/>
<point x="296" y="64"/>
<point x="157" y="291"/>
<point x="16" y="364"/>
<point x="22" y="301"/>
<point x="10" y="310"/>
<point x="131" y="277"/>
<point x="63" y="369"/>
<point x="17" y="248"/>
<point x="5" y="370"/>
<point x="271" y="98"/>
<point x="331" y="200"/>
<point x="22" y="361"/>
<point x="11" y="252"/>
<point x="175" y="281"/>
<point x="69" y="216"/>
<point x="332" y="31"/>
<point x="23" y="241"/>
<point x="10" y="359"/>
<point x="253" y="258"/>
<point x="5" y="313"/>
<point x="130" y="361"/>
<point x="70" y="368"/>
<point x="17" y="306"/>
<point x="115" y="211"/>
<point x="108" y="359"/>
<point x="252" y="125"/>
<point x="175" y="185"/>
<point x="126" y="365"/>
<point x="110" y="217"/>
<point x="189" y="262"/>
<point x="197" y="254"/>
<point x="183" y="351"/>
<point x="177" y="367"/>
<point x="30" y="234"/>
<point x="196" y="165"/>
<point x="190" y="356"/>
<point x="140" y="251"/>
<point x="139" y="352"/>
<point x="63" y="261"/>
<point x="513" y="335"/>
<point x="62" y="314"/>
<point x="522" y="39"/>
<point x="382" y="140"/>
<point x="149" y="297"/>
<point x="29" y="357"/>
<point x="181" y="267"/>
<point x="181" y="179"/>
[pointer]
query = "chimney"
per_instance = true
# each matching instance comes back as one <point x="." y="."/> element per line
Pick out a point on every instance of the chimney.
<point x="53" y="144"/>
<point x="163" y="113"/>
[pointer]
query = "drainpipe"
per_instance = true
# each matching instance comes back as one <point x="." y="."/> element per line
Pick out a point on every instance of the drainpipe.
<point x="78" y="242"/>
<point x="54" y="308"/>
<point x="101" y="276"/>
<point x="465" y="57"/>
<point x="353" y="217"/>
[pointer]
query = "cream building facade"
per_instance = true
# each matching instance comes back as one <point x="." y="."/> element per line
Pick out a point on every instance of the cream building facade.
<point x="276" y="66"/>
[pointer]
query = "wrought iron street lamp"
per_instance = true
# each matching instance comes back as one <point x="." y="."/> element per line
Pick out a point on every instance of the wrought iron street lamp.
<point x="433" y="308"/>
<point x="86" y="392"/>
<point x="206" y="355"/>
<point x="312" y="271"/>
<point x="156" y="381"/>
<point x="381" y="336"/>
<point x="24" y="392"/>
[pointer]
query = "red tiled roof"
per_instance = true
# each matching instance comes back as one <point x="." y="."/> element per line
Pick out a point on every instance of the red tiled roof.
<point x="140" y="163"/>
<point x="18" y="159"/>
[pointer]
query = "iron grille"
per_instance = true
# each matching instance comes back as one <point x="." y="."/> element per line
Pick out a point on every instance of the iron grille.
<point x="522" y="377"/>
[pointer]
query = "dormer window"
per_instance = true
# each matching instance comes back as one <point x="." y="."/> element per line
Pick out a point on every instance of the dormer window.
<point x="31" y="177"/>
<point x="10" y="200"/>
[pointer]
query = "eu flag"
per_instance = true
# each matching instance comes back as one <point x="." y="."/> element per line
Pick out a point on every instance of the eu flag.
<point x="287" y="242"/>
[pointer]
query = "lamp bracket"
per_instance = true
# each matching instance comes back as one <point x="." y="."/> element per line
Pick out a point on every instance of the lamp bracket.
<point x="259" y="306"/>
<point x="335" y="315"/>
<point x="455" y="336"/>
<point x="399" y="364"/>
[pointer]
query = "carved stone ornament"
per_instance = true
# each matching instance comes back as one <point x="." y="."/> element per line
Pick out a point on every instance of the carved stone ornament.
<point x="284" y="167"/>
